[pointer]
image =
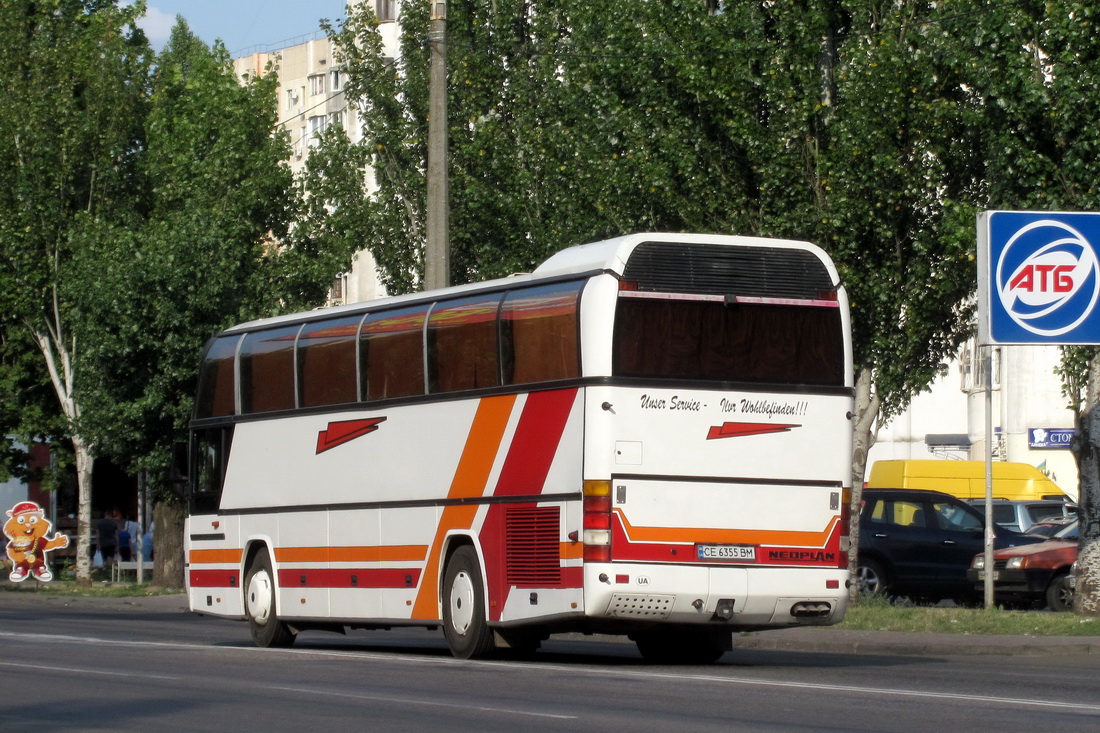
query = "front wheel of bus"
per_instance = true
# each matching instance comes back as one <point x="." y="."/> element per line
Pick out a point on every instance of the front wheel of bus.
<point x="464" y="624"/>
<point x="259" y="602"/>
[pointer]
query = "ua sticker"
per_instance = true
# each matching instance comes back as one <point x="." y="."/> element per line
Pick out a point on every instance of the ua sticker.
<point x="28" y="530"/>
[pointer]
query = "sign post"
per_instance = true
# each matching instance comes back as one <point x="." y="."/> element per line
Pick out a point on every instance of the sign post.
<point x="1038" y="283"/>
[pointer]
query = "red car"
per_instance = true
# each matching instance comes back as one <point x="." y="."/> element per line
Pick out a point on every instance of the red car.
<point x="1032" y="574"/>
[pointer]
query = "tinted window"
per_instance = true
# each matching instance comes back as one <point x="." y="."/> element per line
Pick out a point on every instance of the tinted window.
<point x="267" y="370"/>
<point x="462" y="344"/>
<point x="210" y="452"/>
<point x="217" y="379"/>
<point x="955" y="518"/>
<point x="899" y="513"/>
<point x="1045" y="511"/>
<point x="538" y="328"/>
<point x="392" y="353"/>
<point x="740" y="342"/>
<point x="326" y="361"/>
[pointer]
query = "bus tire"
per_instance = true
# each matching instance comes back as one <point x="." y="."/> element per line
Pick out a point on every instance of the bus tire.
<point x="464" y="619"/>
<point x="683" y="646"/>
<point x="260" y="606"/>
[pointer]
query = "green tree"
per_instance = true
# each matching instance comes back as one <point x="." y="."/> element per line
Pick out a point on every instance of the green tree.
<point x="201" y="254"/>
<point x="74" y="78"/>
<point x="1035" y="77"/>
<point x="844" y="123"/>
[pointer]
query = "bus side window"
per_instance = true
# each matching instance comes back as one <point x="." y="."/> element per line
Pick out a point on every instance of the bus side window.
<point x="210" y="453"/>
<point x="462" y="344"/>
<point x="267" y="370"/>
<point x="538" y="331"/>
<point x="326" y="362"/>
<point x="391" y="353"/>
<point x="216" y="393"/>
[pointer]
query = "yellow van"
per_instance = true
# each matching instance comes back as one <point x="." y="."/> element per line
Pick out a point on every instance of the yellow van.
<point x="965" y="479"/>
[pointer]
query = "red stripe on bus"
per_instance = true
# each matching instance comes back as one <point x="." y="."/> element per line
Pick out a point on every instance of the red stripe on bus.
<point x="535" y="443"/>
<point x="349" y="578"/>
<point x="214" y="578"/>
<point x="534" y="446"/>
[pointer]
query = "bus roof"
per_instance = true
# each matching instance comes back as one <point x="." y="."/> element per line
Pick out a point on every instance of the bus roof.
<point x="605" y="256"/>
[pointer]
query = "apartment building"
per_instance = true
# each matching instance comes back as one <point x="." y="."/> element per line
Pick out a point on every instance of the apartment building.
<point x="311" y="99"/>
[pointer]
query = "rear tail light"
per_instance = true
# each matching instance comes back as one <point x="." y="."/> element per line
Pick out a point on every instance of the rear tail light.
<point x="597" y="521"/>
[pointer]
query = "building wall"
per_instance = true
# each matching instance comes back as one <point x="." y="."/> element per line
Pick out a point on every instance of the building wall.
<point x="1026" y="395"/>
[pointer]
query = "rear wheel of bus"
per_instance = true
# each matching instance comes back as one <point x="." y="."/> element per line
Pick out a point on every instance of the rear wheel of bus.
<point x="259" y="602"/>
<point x="464" y="622"/>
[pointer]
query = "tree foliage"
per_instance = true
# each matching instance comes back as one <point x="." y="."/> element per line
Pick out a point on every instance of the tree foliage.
<point x="844" y="123"/>
<point x="145" y="205"/>
<point x="196" y="257"/>
<point x="1035" y="72"/>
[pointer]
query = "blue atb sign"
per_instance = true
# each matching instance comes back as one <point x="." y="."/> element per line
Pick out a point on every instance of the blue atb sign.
<point x="1038" y="278"/>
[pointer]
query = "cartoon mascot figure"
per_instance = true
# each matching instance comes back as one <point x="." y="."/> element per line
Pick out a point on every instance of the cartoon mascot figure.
<point x="28" y="541"/>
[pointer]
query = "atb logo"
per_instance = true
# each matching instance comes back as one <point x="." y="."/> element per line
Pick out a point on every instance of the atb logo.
<point x="1048" y="278"/>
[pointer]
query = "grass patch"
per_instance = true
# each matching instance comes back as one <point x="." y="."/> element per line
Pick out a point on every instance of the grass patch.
<point x="101" y="589"/>
<point x="878" y="614"/>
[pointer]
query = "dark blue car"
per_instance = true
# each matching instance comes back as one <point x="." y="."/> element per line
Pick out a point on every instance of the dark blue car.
<point x="919" y="544"/>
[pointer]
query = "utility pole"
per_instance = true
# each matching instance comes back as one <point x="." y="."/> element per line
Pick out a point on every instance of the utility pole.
<point x="437" y="255"/>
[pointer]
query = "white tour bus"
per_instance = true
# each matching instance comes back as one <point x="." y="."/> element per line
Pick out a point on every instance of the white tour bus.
<point x="646" y="436"/>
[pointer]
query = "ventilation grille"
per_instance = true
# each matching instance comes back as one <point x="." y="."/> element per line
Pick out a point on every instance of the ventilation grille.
<point x="640" y="605"/>
<point x="532" y="548"/>
<point x="766" y="272"/>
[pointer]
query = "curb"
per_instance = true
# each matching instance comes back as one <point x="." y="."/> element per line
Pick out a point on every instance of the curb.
<point x="915" y="644"/>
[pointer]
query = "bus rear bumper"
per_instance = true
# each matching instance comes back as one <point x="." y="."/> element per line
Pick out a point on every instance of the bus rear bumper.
<point x="738" y="596"/>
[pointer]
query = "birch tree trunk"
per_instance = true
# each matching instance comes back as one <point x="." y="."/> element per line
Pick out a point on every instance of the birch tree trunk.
<point x="58" y="355"/>
<point x="867" y="407"/>
<point x="1086" y="599"/>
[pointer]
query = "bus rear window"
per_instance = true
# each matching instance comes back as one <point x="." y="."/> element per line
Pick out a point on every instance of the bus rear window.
<point x="708" y="340"/>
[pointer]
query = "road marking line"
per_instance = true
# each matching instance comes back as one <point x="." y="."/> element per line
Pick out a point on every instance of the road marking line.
<point x="421" y="701"/>
<point x="617" y="672"/>
<point x="97" y="672"/>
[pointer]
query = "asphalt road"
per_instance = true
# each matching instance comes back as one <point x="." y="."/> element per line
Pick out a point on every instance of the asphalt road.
<point x="145" y="664"/>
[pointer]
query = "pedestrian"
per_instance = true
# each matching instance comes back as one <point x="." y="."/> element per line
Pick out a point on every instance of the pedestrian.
<point x="128" y="538"/>
<point x="108" y="537"/>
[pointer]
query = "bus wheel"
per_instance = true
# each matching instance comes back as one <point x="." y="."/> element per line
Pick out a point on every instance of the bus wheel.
<point x="259" y="603"/>
<point x="683" y="647"/>
<point x="464" y="623"/>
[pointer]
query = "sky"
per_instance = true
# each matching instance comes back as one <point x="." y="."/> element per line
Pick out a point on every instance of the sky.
<point x="242" y="25"/>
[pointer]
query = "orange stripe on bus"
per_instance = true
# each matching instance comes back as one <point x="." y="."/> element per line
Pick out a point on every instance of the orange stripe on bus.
<point x="693" y="535"/>
<point x="385" y="553"/>
<point x="470" y="479"/>
<point x="570" y="550"/>
<point x="215" y="556"/>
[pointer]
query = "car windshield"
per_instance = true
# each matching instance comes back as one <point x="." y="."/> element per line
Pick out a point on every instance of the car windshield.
<point x="1069" y="532"/>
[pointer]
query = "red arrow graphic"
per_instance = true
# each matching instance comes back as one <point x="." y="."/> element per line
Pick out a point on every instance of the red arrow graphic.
<point x="740" y="429"/>
<point x="343" y="431"/>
